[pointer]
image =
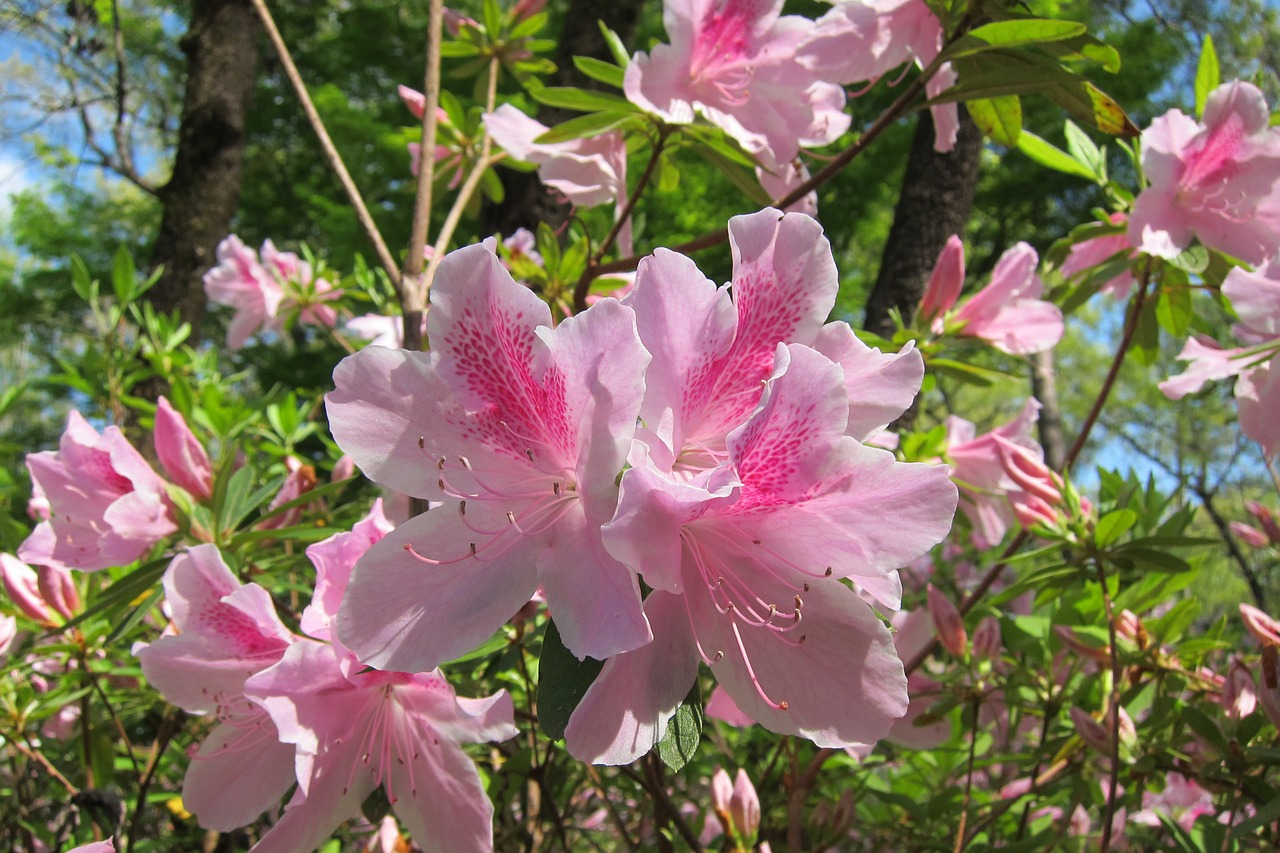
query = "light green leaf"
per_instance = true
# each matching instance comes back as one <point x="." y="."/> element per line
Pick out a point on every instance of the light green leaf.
<point x="1052" y="157"/>
<point x="1012" y="34"/>
<point x="605" y="72"/>
<point x="591" y="124"/>
<point x="570" y="98"/>
<point x="999" y="118"/>
<point x="1208" y="76"/>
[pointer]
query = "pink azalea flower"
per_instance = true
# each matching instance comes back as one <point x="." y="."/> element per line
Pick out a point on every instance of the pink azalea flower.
<point x="521" y="429"/>
<point x="786" y="178"/>
<point x="733" y="61"/>
<point x="181" y="453"/>
<point x="730" y="555"/>
<point x="107" y="507"/>
<point x="107" y="846"/>
<point x="1096" y="251"/>
<point x="227" y="632"/>
<point x="1009" y="313"/>
<point x="712" y="353"/>
<point x="588" y="171"/>
<point x="1182" y="801"/>
<point x="861" y="40"/>
<point x="58" y="589"/>
<point x="1212" y="180"/>
<point x="735" y="804"/>
<point x="354" y="730"/>
<point x="241" y="282"/>
<point x="978" y="465"/>
<point x="303" y="292"/>
<point x="1256" y="299"/>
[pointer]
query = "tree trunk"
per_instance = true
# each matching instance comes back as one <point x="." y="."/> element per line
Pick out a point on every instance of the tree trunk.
<point x="937" y="194"/>
<point x="204" y="190"/>
<point x="1044" y="387"/>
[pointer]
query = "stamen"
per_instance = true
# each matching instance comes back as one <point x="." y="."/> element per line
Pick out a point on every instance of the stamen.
<point x="746" y="660"/>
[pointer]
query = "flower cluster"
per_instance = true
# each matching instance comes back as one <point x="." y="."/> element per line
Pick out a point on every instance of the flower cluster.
<point x="268" y="293"/>
<point x="748" y="461"/>
<point x="300" y="709"/>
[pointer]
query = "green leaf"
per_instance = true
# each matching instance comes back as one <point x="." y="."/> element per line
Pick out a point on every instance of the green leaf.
<point x="1154" y="560"/>
<point x="124" y="590"/>
<point x="1113" y="525"/>
<point x="120" y="628"/>
<point x="1146" y="338"/>
<point x="684" y="732"/>
<point x="998" y="118"/>
<point x="562" y="682"/>
<point x="605" y="72"/>
<point x="1194" y="260"/>
<point x="570" y="98"/>
<point x="1012" y="34"/>
<point x="616" y="47"/>
<point x="1266" y="814"/>
<point x="123" y="275"/>
<point x="970" y="374"/>
<point x="83" y="284"/>
<point x="1082" y="148"/>
<point x="1174" y="311"/>
<point x="376" y="806"/>
<point x="1208" y="76"/>
<point x="591" y="124"/>
<point x="458" y="49"/>
<point x="740" y="177"/>
<point x="235" y="502"/>
<point x="307" y="497"/>
<point x="1052" y="157"/>
<point x="491" y="14"/>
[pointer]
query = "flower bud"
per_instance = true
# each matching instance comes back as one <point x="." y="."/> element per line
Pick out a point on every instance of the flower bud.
<point x="58" y="589"/>
<point x="1251" y="536"/>
<point x="1266" y="518"/>
<point x="1091" y="732"/>
<point x="343" y="469"/>
<point x="744" y="807"/>
<point x="181" y="454"/>
<point x="22" y="585"/>
<point x="947" y="622"/>
<point x="1129" y="626"/>
<point x="986" y="639"/>
<point x="1070" y="639"/>
<point x="1263" y="628"/>
<point x="8" y="630"/>
<point x="1239" y="694"/>
<point x="945" y="282"/>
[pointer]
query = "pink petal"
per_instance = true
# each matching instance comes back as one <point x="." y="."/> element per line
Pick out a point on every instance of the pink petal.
<point x="626" y="710"/>
<point x="241" y="770"/>
<point x="334" y="558"/>
<point x="1258" y="399"/>
<point x="880" y="386"/>
<point x="181" y="454"/>
<point x="441" y="800"/>
<point x="1208" y="363"/>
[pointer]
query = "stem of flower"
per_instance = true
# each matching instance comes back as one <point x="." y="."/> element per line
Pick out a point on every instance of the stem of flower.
<point x="326" y="143"/>
<point x="413" y="290"/>
<point x="1114" y="710"/>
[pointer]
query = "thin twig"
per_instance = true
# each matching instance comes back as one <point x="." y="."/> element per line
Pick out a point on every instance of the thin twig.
<point x="326" y="143"/>
<point x="968" y="777"/>
<point x="111" y="711"/>
<point x="1114" y="710"/>
<point x="34" y="753"/>
<point x="170" y="722"/>
<point x="412" y="291"/>
<point x="799" y="794"/>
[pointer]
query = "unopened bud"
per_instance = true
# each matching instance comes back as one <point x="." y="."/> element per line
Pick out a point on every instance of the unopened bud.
<point x="1091" y="732"/>
<point x="744" y="807"/>
<point x="945" y="282"/>
<point x="22" y="586"/>
<point x="343" y="469"/>
<point x="1129" y="626"/>
<point x="947" y="622"/>
<point x="1266" y="518"/>
<point x="181" y="453"/>
<point x="1239" y="694"/>
<point x="986" y="639"/>
<point x="58" y="589"/>
<point x="1263" y="628"/>
<point x="1073" y="641"/>
<point x="1251" y="536"/>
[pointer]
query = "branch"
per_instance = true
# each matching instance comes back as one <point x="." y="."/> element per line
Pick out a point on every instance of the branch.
<point x="1250" y="576"/>
<point x="326" y="143"/>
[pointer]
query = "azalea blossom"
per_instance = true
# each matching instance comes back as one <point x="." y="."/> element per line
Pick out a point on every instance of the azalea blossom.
<point x="1008" y="313"/>
<point x="980" y="465"/>
<point x="226" y="632"/>
<point x="1096" y="251"/>
<point x="521" y="429"/>
<point x="107" y="506"/>
<point x="354" y="730"/>
<point x="1255" y="296"/>
<point x="1214" y="180"/>
<point x="241" y="282"/>
<point x="860" y="40"/>
<point x="588" y="171"/>
<point x="730" y="553"/>
<point x="734" y="62"/>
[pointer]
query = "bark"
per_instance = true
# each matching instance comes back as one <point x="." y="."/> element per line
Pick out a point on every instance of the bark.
<point x="1044" y="387"/>
<point x="204" y="190"/>
<point x="937" y="194"/>
<point x="527" y="201"/>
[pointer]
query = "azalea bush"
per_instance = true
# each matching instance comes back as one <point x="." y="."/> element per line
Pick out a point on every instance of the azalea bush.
<point x="570" y="546"/>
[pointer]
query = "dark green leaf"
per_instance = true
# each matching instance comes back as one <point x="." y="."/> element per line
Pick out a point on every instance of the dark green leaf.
<point x="562" y="682"/>
<point x="124" y="590"/>
<point x="684" y="732"/>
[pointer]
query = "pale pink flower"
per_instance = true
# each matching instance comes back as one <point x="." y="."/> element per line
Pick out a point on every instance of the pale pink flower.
<point x="1256" y="299"/>
<point x="1263" y="628"/>
<point x="107" y="846"/>
<point x="978" y="467"/>
<point x="227" y="632"/>
<point x="181" y="454"/>
<point x="1239" y="693"/>
<point x="62" y="725"/>
<point x="22" y="587"/>
<point x="588" y="171"/>
<point x="1213" y="180"/>
<point x="379" y="329"/>
<point x="107" y="507"/>
<point x="733" y="62"/>
<point x="786" y="178"/>
<point x="722" y="707"/>
<point x="861" y="40"/>
<point x="730" y="552"/>
<point x="241" y="282"/>
<point x="1182" y="801"/>
<point x="1009" y="313"/>
<point x="1096" y="251"/>
<point x="299" y="480"/>
<point x="354" y="729"/>
<point x="735" y="804"/>
<point x="523" y="245"/>
<point x="304" y="293"/>
<point x="522" y="429"/>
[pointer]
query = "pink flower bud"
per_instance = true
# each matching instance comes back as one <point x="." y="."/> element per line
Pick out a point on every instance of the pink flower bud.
<point x="1072" y="640"/>
<point x="8" y="630"/>
<point x="1028" y="471"/>
<point x="947" y="622"/>
<point x="1263" y="628"/>
<point x="417" y="102"/>
<point x="181" y="454"/>
<point x="1269" y="685"/>
<point x="527" y="9"/>
<point x="454" y="21"/>
<point x="1129" y="626"/>
<point x="1267" y="519"/>
<point x="21" y="584"/>
<point x="1016" y="788"/>
<point x="1239" y="694"/>
<point x="58" y="589"/>
<point x="721" y="796"/>
<point x="744" y="808"/>
<point x="343" y="468"/>
<point x="1080" y="824"/>
<point x="1092" y="732"/>
<point x="1251" y="536"/>
<point x="945" y="282"/>
<point x="1031" y="510"/>
<point x="986" y="639"/>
